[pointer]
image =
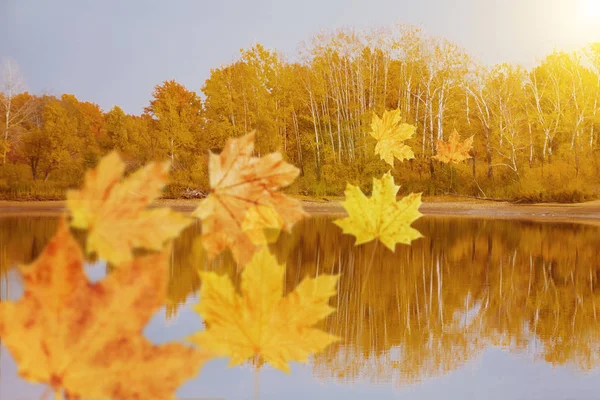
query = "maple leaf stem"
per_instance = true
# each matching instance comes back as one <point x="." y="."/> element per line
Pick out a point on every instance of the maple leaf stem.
<point x="44" y="395"/>
<point x="256" y="382"/>
<point x="364" y="285"/>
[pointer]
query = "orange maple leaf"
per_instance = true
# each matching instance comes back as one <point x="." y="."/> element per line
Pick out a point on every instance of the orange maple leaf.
<point x="115" y="212"/>
<point x="239" y="183"/>
<point x="453" y="151"/>
<point x="86" y="338"/>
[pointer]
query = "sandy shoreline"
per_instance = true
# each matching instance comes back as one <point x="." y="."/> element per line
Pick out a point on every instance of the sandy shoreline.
<point x="588" y="213"/>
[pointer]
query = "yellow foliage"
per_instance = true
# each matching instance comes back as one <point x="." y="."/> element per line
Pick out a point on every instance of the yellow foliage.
<point x="260" y="322"/>
<point x="390" y="135"/>
<point x="239" y="182"/>
<point x="74" y="335"/>
<point x="114" y="211"/>
<point x="381" y="216"/>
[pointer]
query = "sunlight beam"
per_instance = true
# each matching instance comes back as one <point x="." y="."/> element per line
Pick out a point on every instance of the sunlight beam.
<point x="591" y="10"/>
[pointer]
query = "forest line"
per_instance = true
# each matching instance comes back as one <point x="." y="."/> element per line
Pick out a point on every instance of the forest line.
<point x="535" y="130"/>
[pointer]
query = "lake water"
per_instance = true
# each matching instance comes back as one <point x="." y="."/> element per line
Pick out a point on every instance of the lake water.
<point x="477" y="309"/>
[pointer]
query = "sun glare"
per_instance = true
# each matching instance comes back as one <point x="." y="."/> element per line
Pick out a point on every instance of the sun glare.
<point x="591" y="9"/>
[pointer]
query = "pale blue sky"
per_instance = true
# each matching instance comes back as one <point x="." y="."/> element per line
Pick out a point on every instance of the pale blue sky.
<point x="115" y="51"/>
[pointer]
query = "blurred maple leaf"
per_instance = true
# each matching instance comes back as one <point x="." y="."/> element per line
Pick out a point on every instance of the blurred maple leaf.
<point x="114" y="211"/>
<point x="239" y="183"/>
<point x="262" y="224"/>
<point x="261" y="324"/>
<point x="390" y="135"/>
<point x="453" y="151"/>
<point x="381" y="216"/>
<point x="86" y="338"/>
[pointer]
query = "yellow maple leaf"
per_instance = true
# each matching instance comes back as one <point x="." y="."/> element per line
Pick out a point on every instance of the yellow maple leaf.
<point x="381" y="216"/>
<point x="260" y="323"/>
<point x="115" y="212"/>
<point x="390" y="135"/>
<point x="453" y="151"/>
<point x="86" y="338"/>
<point x="240" y="182"/>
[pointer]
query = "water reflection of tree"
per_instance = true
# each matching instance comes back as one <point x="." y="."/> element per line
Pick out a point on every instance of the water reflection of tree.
<point x="407" y="322"/>
<point x="430" y="307"/>
<point x="21" y="241"/>
<point x="427" y="308"/>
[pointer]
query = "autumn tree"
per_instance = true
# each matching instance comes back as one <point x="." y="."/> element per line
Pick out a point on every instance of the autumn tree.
<point x="176" y="112"/>
<point x="15" y="104"/>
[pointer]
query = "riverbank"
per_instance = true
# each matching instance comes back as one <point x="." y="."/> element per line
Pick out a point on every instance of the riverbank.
<point x="588" y="212"/>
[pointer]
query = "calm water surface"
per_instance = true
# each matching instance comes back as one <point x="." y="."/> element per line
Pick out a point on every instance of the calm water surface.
<point x="476" y="309"/>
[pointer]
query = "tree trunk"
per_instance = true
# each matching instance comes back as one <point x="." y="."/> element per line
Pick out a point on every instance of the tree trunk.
<point x="33" y="166"/>
<point x="6" y="128"/>
<point x="488" y="153"/>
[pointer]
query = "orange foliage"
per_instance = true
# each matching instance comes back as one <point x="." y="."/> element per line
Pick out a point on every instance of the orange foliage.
<point x="74" y="335"/>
